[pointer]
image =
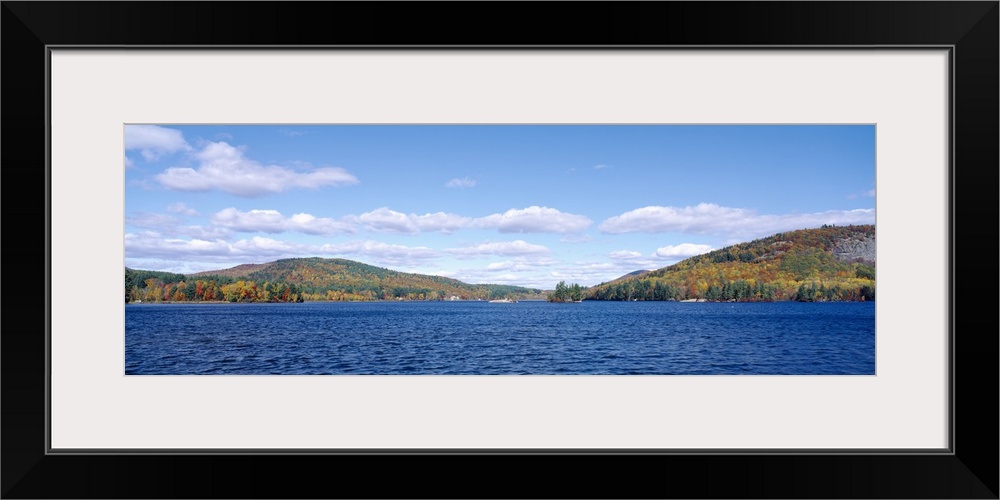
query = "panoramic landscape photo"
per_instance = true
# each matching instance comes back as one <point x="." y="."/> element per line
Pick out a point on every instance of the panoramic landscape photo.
<point x="499" y="249"/>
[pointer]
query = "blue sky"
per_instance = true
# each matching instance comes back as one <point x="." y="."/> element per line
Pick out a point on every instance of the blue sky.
<point x="515" y="204"/>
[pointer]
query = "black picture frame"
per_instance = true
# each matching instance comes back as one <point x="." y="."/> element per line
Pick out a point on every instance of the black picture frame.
<point x="970" y="29"/>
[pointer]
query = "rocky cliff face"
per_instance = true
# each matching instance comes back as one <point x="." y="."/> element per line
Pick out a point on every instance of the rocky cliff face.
<point x="856" y="249"/>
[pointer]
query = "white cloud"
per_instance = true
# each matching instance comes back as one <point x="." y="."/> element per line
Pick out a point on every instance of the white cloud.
<point x="151" y="221"/>
<point x="266" y="246"/>
<point x="152" y="141"/>
<point x="151" y="245"/>
<point x="388" y="221"/>
<point x="266" y="221"/>
<point x="384" y="220"/>
<point x="170" y="266"/>
<point x="310" y="224"/>
<point x="737" y="223"/>
<point x="626" y="261"/>
<point x="535" y="219"/>
<point x="464" y="182"/>
<point x="528" y="220"/>
<point x="502" y="277"/>
<point x="625" y="255"/>
<point x="682" y="251"/>
<point x="588" y="273"/>
<point x="202" y="232"/>
<point x="440" y="221"/>
<point x="601" y="167"/>
<point x="378" y="253"/>
<point x="129" y="163"/>
<point x="506" y="248"/>
<point x="500" y="266"/>
<point x="520" y="264"/>
<point x="272" y="221"/>
<point x="479" y="277"/>
<point x="147" y="245"/>
<point x="170" y="225"/>
<point x="181" y="208"/>
<point x="225" y="168"/>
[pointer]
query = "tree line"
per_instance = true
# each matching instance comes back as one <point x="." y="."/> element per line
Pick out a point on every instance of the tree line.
<point x="151" y="286"/>
<point x="158" y="286"/>
<point x="567" y="293"/>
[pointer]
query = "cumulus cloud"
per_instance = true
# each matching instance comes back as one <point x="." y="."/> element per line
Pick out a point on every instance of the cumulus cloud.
<point x="147" y="245"/>
<point x="129" y="163"/>
<point x="151" y="245"/>
<point x="151" y="221"/>
<point x="385" y="220"/>
<point x="520" y="271"/>
<point x="477" y="276"/>
<point x="153" y="142"/>
<point x="265" y="221"/>
<point x="535" y="219"/>
<point x="520" y="264"/>
<point x="202" y="232"/>
<point x="588" y="273"/>
<point x="440" y="221"/>
<point x="625" y="255"/>
<point x="375" y="252"/>
<point x="528" y="220"/>
<point x="389" y="221"/>
<point x="682" y="251"/>
<point x="266" y="246"/>
<point x="709" y="218"/>
<point x="516" y="277"/>
<point x="506" y="248"/>
<point x="225" y="168"/>
<point x="464" y="182"/>
<point x="626" y="261"/>
<point x="272" y="221"/>
<point x="181" y="208"/>
<point x="500" y="266"/>
<point x="169" y="225"/>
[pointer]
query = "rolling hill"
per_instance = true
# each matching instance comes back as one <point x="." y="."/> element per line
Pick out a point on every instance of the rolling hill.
<point x="831" y="263"/>
<point x="291" y="280"/>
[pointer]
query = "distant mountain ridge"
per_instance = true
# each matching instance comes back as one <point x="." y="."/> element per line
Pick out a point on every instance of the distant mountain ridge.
<point x="831" y="263"/>
<point x="311" y="278"/>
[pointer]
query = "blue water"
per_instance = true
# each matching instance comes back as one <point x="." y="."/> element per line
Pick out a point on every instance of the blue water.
<point x="478" y="338"/>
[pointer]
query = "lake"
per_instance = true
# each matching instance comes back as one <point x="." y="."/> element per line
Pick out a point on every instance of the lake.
<point x="480" y="338"/>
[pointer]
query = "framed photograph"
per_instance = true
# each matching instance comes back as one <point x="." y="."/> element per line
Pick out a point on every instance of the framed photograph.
<point x="653" y="254"/>
<point x="395" y="266"/>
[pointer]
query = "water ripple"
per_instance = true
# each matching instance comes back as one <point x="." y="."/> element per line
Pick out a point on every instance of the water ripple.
<point x="475" y="338"/>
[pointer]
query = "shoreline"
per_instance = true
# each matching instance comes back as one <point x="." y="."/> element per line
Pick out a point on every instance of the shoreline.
<point x="487" y="301"/>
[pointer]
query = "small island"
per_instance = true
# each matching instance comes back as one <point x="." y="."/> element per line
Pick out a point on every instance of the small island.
<point x="567" y="293"/>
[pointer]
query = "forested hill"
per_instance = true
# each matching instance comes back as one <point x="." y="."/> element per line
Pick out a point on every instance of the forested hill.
<point x="832" y="263"/>
<point x="292" y="280"/>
